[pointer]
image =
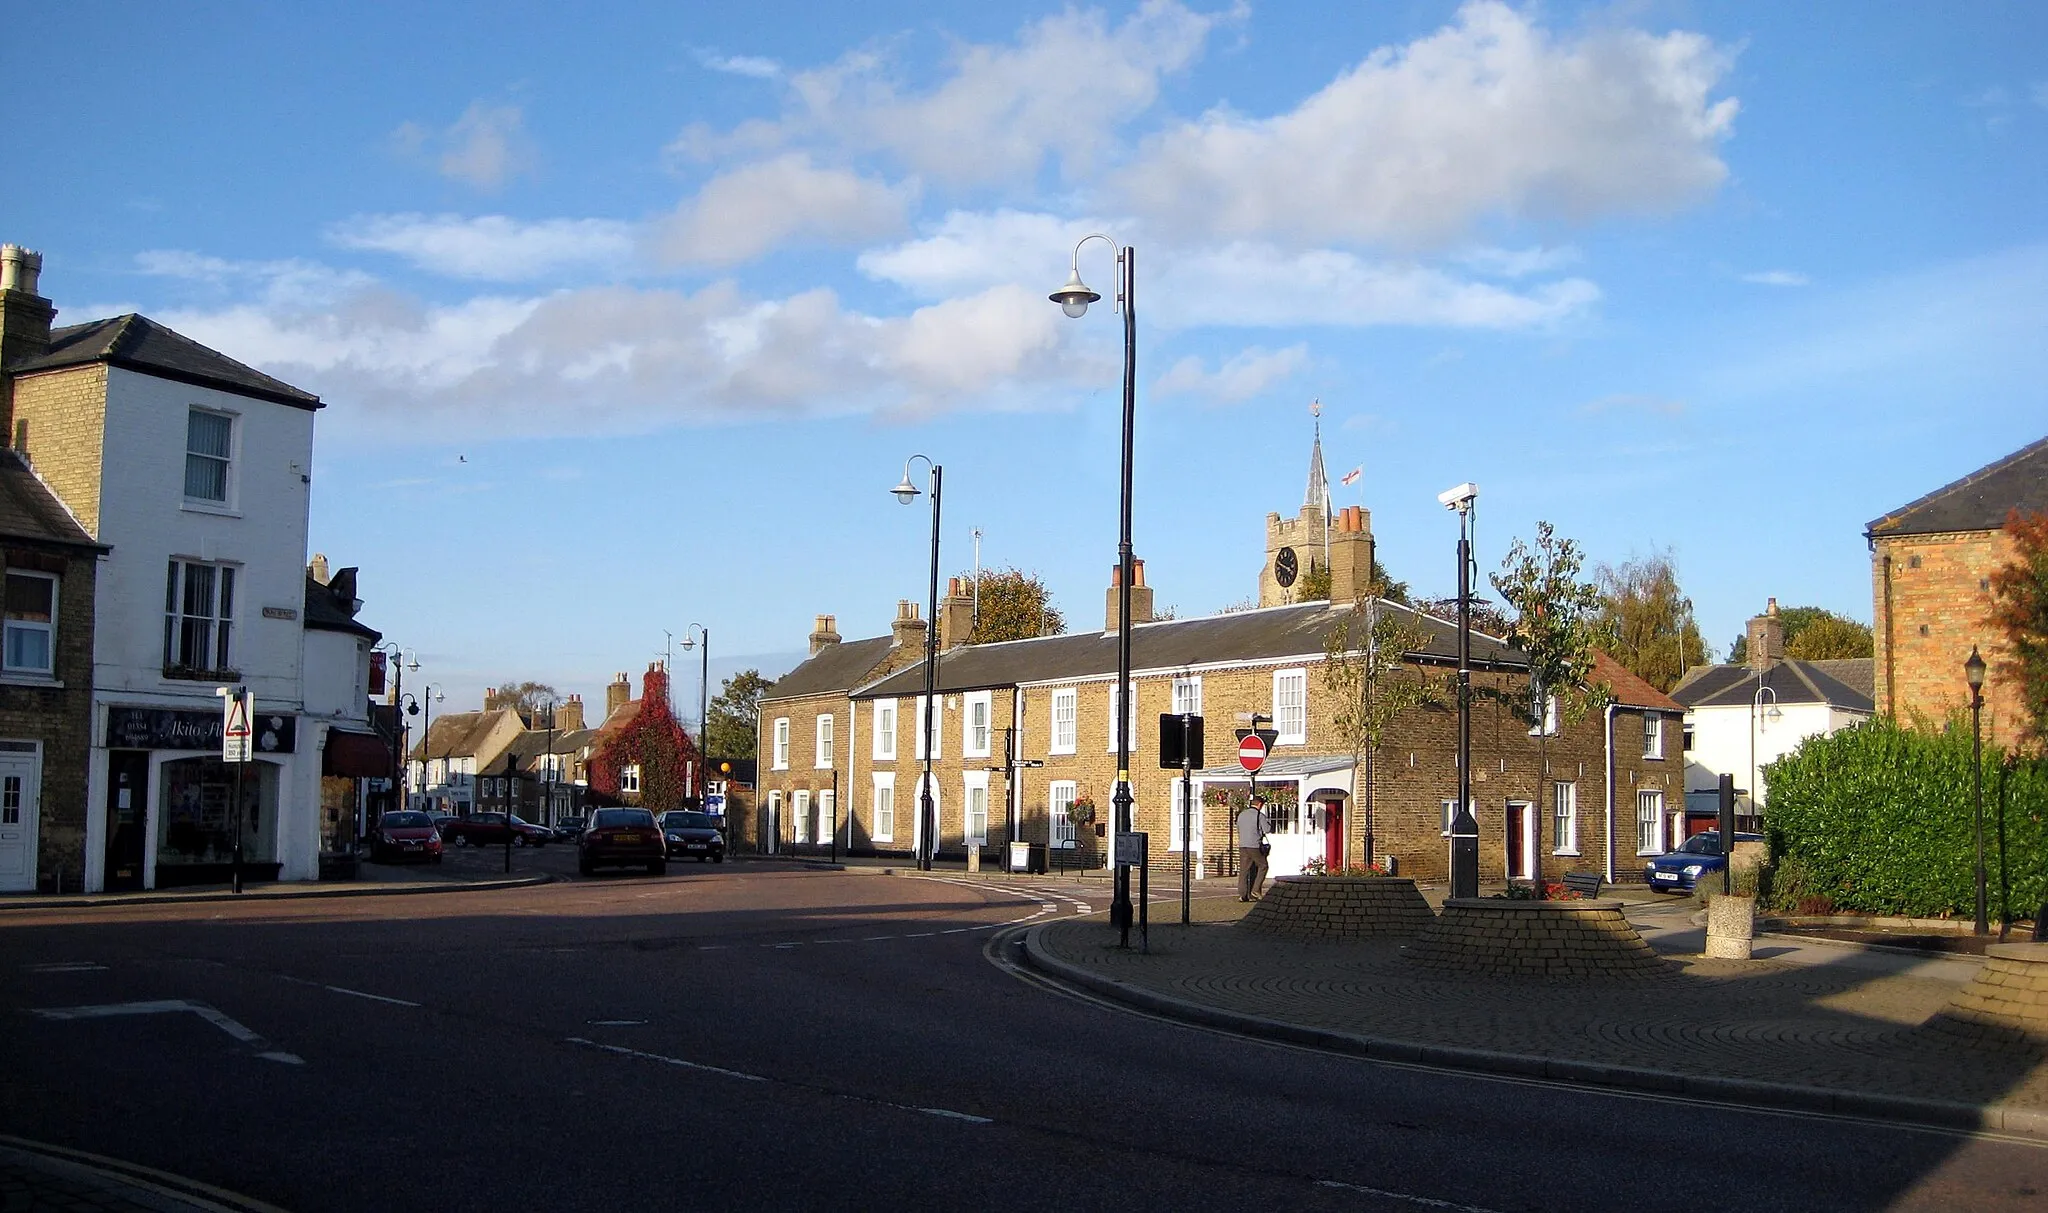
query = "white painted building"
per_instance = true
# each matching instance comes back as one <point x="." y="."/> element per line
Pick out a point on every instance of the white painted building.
<point x="196" y="472"/>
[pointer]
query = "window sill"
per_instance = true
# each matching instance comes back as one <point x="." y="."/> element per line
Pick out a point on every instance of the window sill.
<point x="191" y="506"/>
<point x="178" y="673"/>
<point x="26" y="678"/>
<point x="1571" y="854"/>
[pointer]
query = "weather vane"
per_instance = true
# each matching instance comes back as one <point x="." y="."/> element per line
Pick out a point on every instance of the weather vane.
<point x="1315" y="407"/>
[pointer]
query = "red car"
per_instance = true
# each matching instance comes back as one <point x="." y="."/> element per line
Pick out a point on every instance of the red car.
<point x="488" y="829"/>
<point x="405" y="835"/>
<point x="617" y="838"/>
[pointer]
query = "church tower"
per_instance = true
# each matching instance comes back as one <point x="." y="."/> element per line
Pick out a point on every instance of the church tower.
<point x="1317" y="539"/>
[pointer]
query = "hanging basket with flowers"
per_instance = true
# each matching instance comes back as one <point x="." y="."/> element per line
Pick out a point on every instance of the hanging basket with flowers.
<point x="1082" y="811"/>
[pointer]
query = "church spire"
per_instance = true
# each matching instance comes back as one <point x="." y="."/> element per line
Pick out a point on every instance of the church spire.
<point x="1318" y="495"/>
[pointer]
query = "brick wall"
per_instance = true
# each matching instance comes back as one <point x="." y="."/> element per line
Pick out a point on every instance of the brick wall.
<point x="1939" y="594"/>
<point x="66" y="412"/>
<point x="60" y="717"/>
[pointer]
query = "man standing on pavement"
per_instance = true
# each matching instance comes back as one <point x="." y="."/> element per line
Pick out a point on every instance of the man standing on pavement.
<point x="1251" y="851"/>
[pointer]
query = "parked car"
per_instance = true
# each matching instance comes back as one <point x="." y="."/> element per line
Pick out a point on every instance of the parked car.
<point x="405" y="835"/>
<point x="1678" y="871"/>
<point x="568" y="828"/>
<point x="489" y="829"/>
<point x="618" y="838"/>
<point x="693" y="835"/>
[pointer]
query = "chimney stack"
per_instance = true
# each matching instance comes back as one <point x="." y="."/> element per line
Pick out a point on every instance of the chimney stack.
<point x="317" y="570"/>
<point x="1766" y="638"/>
<point x="956" y="614"/>
<point x="25" y="318"/>
<point x="908" y="630"/>
<point x="569" y="715"/>
<point x="617" y="695"/>
<point x="1141" y="597"/>
<point x="825" y="634"/>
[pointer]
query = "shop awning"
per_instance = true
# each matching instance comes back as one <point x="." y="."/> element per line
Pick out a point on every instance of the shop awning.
<point x="356" y="756"/>
<point x="1292" y="767"/>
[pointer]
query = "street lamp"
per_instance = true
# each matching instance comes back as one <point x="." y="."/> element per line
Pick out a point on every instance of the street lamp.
<point x="397" y="657"/>
<point x="429" y="699"/>
<point x="1464" y="826"/>
<point x="1074" y="299"/>
<point x="1760" y="718"/>
<point x="1973" y="671"/>
<point x="702" y="640"/>
<point x="906" y="492"/>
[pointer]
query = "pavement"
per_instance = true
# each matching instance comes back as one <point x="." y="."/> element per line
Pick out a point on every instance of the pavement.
<point x="36" y="1176"/>
<point x="1804" y="1025"/>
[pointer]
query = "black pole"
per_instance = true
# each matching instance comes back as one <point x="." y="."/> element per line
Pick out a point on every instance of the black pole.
<point x="1187" y="817"/>
<point x="1464" y="826"/>
<point x="2004" y="875"/>
<point x="236" y="863"/>
<point x="1120" y="818"/>
<point x="549" y="776"/>
<point x="509" y="765"/>
<point x="833" y="824"/>
<point x="928" y="843"/>
<point x="704" y="719"/>
<point x="1977" y="792"/>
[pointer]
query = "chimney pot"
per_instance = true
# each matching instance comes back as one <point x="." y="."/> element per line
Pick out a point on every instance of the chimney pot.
<point x="20" y="269"/>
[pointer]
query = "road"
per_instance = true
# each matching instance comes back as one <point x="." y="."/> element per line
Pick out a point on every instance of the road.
<point x="749" y="1036"/>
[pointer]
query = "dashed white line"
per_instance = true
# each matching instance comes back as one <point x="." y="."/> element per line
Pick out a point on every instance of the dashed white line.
<point x="397" y="1002"/>
<point x="667" y="1061"/>
<point x="949" y="1114"/>
<point x="68" y="966"/>
<point x="1427" y="1202"/>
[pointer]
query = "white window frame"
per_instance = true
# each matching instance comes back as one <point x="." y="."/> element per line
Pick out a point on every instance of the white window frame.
<point x="938" y="730"/>
<point x="781" y="755"/>
<point x="226" y="461"/>
<point x="629" y="778"/>
<point x="825" y="742"/>
<point x="828" y="810"/>
<point x="1290" y="716"/>
<point x="977" y="724"/>
<point x="1549" y="726"/>
<point x="1653" y="735"/>
<point x="1187" y="695"/>
<point x="1128" y="702"/>
<point x="220" y="620"/>
<point x="1448" y="809"/>
<point x="46" y="629"/>
<point x="1065" y="732"/>
<point x="800" y="814"/>
<point x="1650" y="812"/>
<point x="885" y="730"/>
<point x="1564" y="817"/>
<point x="1173" y="795"/>
<point x="1059" y="798"/>
<point x="883" y="827"/>
<point x="973" y="783"/>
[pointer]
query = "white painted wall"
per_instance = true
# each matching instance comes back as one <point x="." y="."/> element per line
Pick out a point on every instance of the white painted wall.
<point x="1721" y="741"/>
<point x="337" y="677"/>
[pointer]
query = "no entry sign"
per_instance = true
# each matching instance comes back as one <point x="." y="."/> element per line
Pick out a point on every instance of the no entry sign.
<point x="1251" y="753"/>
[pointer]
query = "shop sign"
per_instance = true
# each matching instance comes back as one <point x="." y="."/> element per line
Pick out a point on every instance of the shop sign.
<point x="175" y="729"/>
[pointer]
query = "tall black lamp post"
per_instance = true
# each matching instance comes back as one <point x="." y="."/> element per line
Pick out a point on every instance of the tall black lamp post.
<point x="699" y="637"/>
<point x="1464" y="826"/>
<point x="1074" y="299"/>
<point x="906" y="492"/>
<point x="396" y="655"/>
<point x="1973" y="670"/>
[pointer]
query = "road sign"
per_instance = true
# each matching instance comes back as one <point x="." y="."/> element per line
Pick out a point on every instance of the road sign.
<point x="236" y="737"/>
<point x="714" y="804"/>
<point x="1129" y="849"/>
<point x="1180" y="740"/>
<point x="1251" y="753"/>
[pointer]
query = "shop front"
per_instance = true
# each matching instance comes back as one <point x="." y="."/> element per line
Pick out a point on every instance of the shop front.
<point x="1304" y="799"/>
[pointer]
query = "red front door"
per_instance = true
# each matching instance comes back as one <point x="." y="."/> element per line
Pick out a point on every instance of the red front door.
<point x="1514" y="819"/>
<point x="1333" y="836"/>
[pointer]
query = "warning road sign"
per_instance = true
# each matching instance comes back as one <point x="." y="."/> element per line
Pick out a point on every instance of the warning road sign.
<point x="236" y="741"/>
<point x="1251" y="753"/>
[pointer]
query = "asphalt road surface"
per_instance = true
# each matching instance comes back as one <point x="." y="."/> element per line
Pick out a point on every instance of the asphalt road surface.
<point x="752" y="1037"/>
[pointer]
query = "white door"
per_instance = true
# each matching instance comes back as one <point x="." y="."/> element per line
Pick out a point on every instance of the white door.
<point x="1297" y="836"/>
<point x="20" y="796"/>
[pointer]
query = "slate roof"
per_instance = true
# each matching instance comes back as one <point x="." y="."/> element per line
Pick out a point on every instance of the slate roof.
<point x="138" y="343"/>
<point x="30" y="511"/>
<point x="1844" y="684"/>
<point x="837" y="668"/>
<point x="1271" y="634"/>
<point x="1977" y="502"/>
<point x="326" y="613"/>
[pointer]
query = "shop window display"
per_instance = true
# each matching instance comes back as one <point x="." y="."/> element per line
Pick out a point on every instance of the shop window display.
<point x="198" y="817"/>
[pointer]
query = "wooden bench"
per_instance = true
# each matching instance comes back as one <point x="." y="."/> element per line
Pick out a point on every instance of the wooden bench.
<point x="1584" y="884"/>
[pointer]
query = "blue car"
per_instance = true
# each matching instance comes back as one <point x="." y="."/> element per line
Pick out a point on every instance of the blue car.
<point x="1700" y="855"/>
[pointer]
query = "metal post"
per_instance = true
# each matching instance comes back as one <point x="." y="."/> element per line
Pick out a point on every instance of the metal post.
<point x="833" y="824"/>
<point x="704" y="717"/>
<point x="1977" y="794"/>
<point x="236" y="876"/>
<point x="510" y="764"/>
<point x="1187" y="818"/>
<point x="1464" y="826"/>
<point x="1120" y="905"/>
<point x="928" y="842"/>
<point x="2004" y="876"/>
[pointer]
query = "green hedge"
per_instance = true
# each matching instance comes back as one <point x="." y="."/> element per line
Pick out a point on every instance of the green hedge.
<point x="1879" y="819"/>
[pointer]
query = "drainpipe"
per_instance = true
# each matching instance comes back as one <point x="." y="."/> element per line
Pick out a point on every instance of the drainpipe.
<point x="1891" y="648"/>
<point x="1608" y="718"/>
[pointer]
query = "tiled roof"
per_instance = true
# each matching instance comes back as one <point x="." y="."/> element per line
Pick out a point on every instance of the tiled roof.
<point x="1629" y="690"/>
<point x="324" y="613"/>
<point x="1977" y="502"/>
<point x="1843" y="684"/>
<point x="30" y="511"/>
<point x="460" y="734"/>
<point x="835" y="668"/>
<point x="1249" y="637"/>
<point x="138" y="343"/>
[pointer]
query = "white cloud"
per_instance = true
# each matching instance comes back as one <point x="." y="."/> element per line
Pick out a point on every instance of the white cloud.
<point x="741" y="214"/>
<point x="485" y="147"/>
<point x="752" y="66"/>
<point x="1242" y="376"/>
<point x="494" y="248"/>
<point x="1777" y="278"/>
<point x="1061" y="88"/>
<point x="1634" y="402"/>
<point x="1518" y="263"/>
<point x="292" y="283"/>
<point x="972" y="250"/>
<point x="1490" y="116"/>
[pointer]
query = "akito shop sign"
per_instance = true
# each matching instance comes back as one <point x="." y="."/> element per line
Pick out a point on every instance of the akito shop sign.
<point x="173" y="729"/>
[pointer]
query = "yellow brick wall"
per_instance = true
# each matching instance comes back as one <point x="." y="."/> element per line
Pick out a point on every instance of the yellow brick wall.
<point x="66" y="412"/>
<point x="1939" y="596"/>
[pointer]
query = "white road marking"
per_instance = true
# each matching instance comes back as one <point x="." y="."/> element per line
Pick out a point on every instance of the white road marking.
<point x="397" y="1002"/>
<point x="165" y="1006"/>
<point x="667" y="1061"/>
<point x="68" y="966"/>
<point x="615" y="1023"/>
<point x="1428" y="1202"/>
<point x="949" y="1114"/>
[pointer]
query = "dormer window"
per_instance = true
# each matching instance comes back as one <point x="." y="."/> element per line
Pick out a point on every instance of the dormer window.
<point x="209" y="442"/>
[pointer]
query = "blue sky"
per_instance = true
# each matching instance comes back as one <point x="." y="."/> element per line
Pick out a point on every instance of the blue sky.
<point x="627" y="316"/>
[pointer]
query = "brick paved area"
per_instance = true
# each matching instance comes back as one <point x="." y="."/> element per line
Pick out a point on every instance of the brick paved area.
<point x="1834" y="1026"/>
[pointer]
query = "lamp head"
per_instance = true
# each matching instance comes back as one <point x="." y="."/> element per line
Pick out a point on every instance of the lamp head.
<point x="1459" y="498"/>
<point x="1075" y="296"/>
<point x="412" y="708"/>
<point x="1973" y="669"/>
<point x="905" y="492"/>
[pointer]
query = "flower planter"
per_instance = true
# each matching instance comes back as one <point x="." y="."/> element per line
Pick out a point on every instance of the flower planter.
<point x="1731" y="926"/>
<point x="1340" y="908"/>
<point x="1488" y="937"/>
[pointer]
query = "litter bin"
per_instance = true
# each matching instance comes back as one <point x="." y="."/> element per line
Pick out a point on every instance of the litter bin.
<point x="1027" y="857"/>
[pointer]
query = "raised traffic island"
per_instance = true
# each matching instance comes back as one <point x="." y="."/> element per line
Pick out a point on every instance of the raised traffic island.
<point x="1507" y="937"/>
<point x="2005" y="1006"/>
<point x="1342" y="908"/>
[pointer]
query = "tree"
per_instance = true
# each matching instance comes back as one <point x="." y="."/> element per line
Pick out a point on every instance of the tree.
<point x="1646" y="621"/>
<point x="1386" y="587"/>
<point x="526" y="698"/>
<point x="1366" y="672"/>
<point x="1314" y="585"/>
<point x="1014" y="605"/>
<point x="2019" y="610"/>
<point x="1555" y="627"/>
<point x="1838" y="636"/>
<point x="735" y="716"/>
